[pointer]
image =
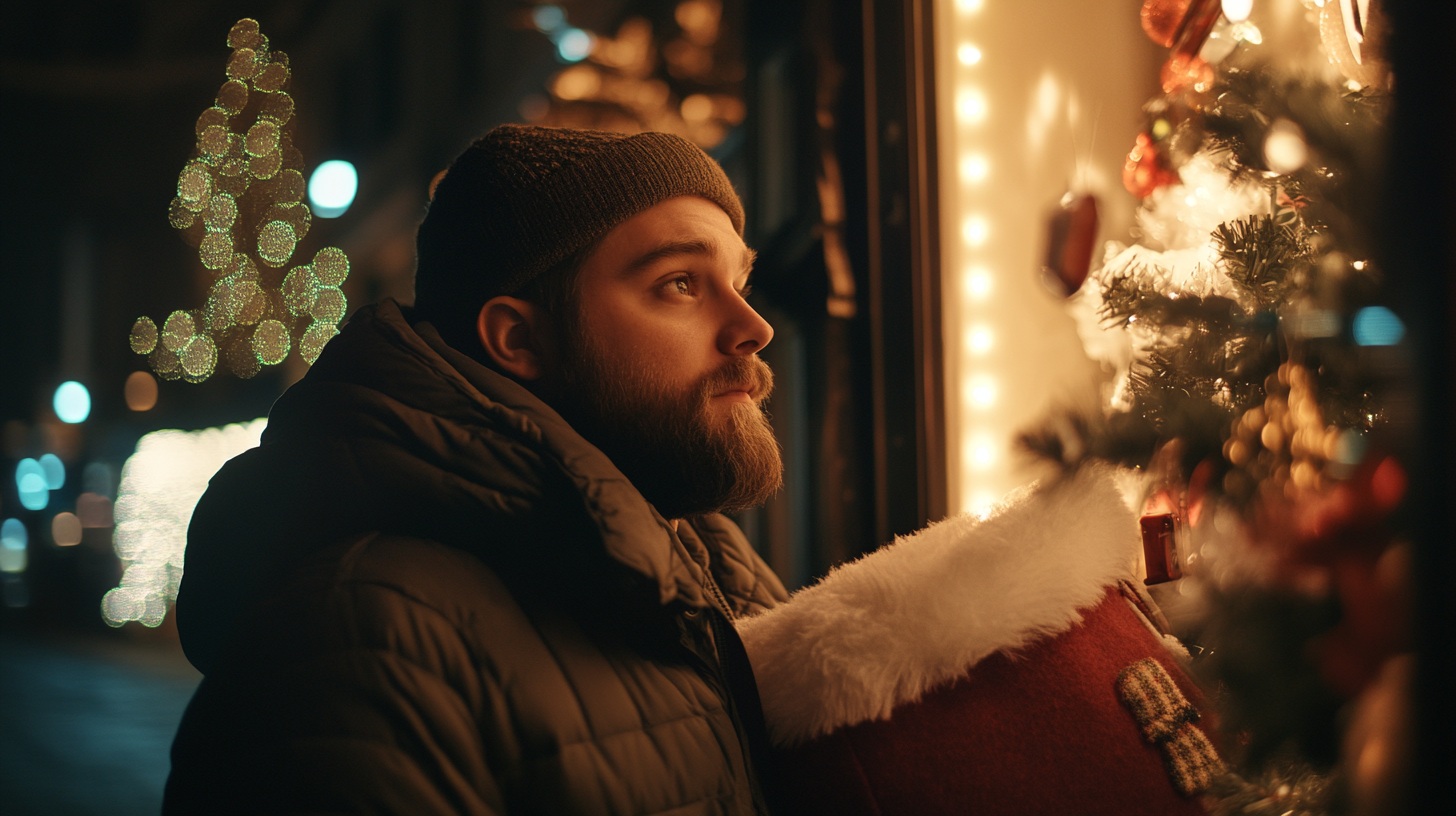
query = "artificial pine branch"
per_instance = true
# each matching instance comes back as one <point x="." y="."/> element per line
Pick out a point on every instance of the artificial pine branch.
<point x="1260" y="254"/>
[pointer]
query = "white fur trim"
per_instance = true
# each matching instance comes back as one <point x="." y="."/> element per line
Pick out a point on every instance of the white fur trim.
<point x="922" y="611"/>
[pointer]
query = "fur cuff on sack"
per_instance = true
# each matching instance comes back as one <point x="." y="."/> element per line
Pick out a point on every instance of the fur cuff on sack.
<point x="882" y="631"/>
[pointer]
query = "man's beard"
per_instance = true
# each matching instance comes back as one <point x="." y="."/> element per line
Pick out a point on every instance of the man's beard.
<point x="683" y="457"/>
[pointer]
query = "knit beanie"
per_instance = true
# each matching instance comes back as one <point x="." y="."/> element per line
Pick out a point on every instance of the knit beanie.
<point x="522" y="199"/>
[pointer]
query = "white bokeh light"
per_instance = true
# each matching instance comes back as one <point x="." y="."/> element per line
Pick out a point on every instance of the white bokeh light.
<point x="160" y="486"/>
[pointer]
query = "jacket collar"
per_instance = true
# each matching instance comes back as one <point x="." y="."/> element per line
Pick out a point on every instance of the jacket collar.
<point x="632" y="531"/>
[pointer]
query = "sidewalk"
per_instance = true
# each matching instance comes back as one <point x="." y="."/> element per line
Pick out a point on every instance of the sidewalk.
<point x="86" y="724"/>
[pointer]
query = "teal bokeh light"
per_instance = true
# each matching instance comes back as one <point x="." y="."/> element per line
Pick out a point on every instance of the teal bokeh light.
<point x="72" y="402"/>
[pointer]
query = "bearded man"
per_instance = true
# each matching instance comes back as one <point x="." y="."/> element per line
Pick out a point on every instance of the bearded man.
<point x="478" y="564"/>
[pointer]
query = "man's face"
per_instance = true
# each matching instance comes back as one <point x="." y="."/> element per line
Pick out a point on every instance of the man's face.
<point x="659" y="364"/>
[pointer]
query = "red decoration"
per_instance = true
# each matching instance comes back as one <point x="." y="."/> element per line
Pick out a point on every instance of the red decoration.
<point x="1160" y="548"/>
<point x="1182" y="25"/>
<point x="1161" y="19"/>
<point x="1146" y="170"/>
<point x="1184" y="73"/>
<point x="1071" y="239"/>
<point x="1037" y="731"/>
<point x="1340" y="540"/>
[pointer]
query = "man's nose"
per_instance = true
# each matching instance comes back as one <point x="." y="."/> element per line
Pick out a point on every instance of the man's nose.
<point x="744" y="330"/>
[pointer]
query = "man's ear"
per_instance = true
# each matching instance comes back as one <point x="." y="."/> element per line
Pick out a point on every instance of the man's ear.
<point x="515" y="334"/>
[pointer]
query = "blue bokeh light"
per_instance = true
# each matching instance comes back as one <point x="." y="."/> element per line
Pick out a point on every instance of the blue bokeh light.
<point x="13" y="535"/>
<point x="332" y="187"/>
<point x="55" y="471"/>
<point x="548" y="18"/>
<point x="30" y="483"/>
<point x="1377" y="326"/>
<point x="72" y="402"/>
<point x="574" y="45"/>
<point x="13" y="541"/>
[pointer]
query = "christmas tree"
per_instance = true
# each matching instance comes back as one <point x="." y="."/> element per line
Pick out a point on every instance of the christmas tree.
<point x="1252" y="366"/>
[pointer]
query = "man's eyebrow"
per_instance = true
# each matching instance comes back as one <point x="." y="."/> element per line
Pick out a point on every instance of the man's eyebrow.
<point x="670" y="250"/>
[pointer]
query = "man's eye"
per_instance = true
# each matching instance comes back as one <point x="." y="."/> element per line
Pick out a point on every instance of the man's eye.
<point x="683" y="286"/>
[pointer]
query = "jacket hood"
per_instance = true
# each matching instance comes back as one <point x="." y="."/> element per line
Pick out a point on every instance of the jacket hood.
<point x="393" y="431"/>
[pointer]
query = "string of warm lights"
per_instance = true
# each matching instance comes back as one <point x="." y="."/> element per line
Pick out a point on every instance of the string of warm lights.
<point x="971" y="347"/>
<point x="1033" y="107"/>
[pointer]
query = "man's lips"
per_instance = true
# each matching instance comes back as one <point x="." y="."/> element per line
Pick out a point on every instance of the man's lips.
<point x="744" y="392"/>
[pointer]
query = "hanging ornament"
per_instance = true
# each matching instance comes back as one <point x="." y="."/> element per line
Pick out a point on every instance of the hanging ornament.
<point x="1355" y="34"/>
<point x="1182" y="25"/>
<point x="1146" y="168"/>
<point x="1161" y="19"/>
<point x="1071" y="237"/>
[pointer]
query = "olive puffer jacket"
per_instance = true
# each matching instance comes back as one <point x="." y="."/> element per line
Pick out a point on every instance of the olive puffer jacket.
<point x="425" y="594"/>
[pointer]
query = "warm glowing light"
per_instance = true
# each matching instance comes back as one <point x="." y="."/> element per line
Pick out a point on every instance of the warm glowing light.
<point x="979" y="340"/>
<point x="983" y="454"/>
<point x="975" y="231"/>
<point x="982" y="394"/>
<point x="968" y="54"/>
<point x="66" y="529"/>
<point x="72" y="402"/>
<point x="1284" y="148"/>
<point x="1237" y="10"/>
<point x="974" y="168"/>
<point x="980" y="504"/>
<point x="972" y="107"/>
<point x="978" y="284"/>
<point x="332" y="187"/>
<point x="970" y="6"/>
<point x="160" y="486"/>
<point x="697" y="108"/>
<point x="141" y="391"/>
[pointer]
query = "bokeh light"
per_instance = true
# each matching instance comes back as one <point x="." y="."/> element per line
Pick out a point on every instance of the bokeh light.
<point x="1284" y="148"/>
<point x="574" y="45"/>
<point x="141" y="391"/>
<point x="30" y="484"/>
<point x="1237" y="10"/>
<point x="66" y="530"/>
<point x="160" y="485"/>
<point x="548" y="18"/>
<point x="54" y="470"/>
<point x="72" y="402"/>
<point x="332" y="187"/>
<point x="14" y="539"/>
<point x="1377" y="326"/>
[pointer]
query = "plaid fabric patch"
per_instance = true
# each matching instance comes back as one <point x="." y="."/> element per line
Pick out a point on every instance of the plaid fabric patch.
<point x="1166" y="719"/>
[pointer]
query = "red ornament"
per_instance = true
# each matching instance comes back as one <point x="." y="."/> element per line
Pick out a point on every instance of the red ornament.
<point x="1182" y="25"/>
<point x="1161" y="19"/>
<point x="1160" y="548"/>
<point x="1184" y="73"/>
<point x="1146" y="170"/>
<point x="1071" y="240"/>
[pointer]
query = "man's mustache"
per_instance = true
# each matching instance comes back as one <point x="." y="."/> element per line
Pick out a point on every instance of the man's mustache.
<point x="748" y="374"/>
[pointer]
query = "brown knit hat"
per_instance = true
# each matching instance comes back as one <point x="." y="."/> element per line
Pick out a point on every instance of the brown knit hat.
<point x="522" y="199"/>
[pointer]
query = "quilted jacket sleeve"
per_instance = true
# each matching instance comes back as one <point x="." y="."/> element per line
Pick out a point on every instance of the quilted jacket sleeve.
<point x="350" y="695"/>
